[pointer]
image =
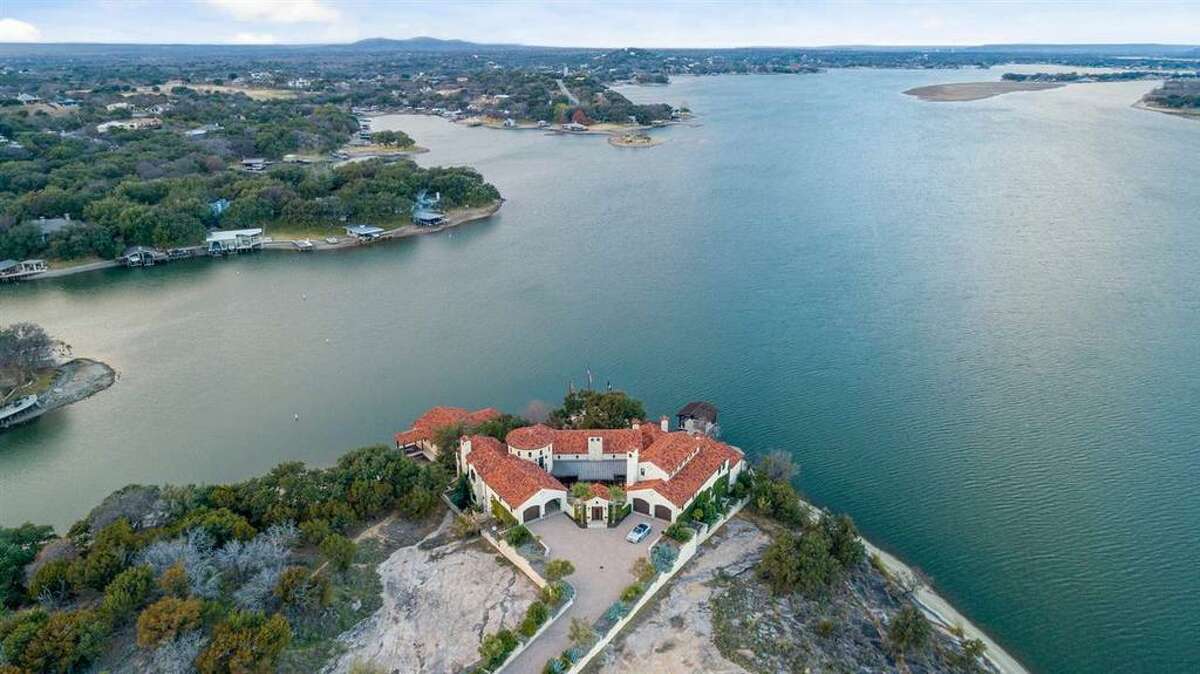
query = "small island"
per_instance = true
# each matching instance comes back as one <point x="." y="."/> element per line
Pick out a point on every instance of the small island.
<point x="975" y="91"/>
<point x="33" y="381"/>
<point x="1180" y="97"/>
<point x="634" y="139"/>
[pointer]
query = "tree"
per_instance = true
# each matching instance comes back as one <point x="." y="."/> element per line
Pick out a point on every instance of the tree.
<point x="126" y="593"/>
<point x="166" y="619"/>
<point x="26" y="348"/>
<point x="557" y="569"/>
<point x="909" y="630"/>
<point x="518" y="536"/>
<point x="777" y="466"/>
<point x="245" y="642"/>
<point x="339" y="551"/>
<point x="108" y="555"/>
<point x="799" y="564"/>
<point x="537" y="614"/>
<point x="52" y="580"/>
<point x="581" y="491"/>
<point x="596" y="409"/>
<point x="299" y="590"/>
<point x="845" y="544"/>
<point x="18" y="547"/>
<point x="391" y="139"/>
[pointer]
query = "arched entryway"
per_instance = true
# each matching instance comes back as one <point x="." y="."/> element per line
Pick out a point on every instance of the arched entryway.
<point x="532" y="513"/>
<point x="662" y="512"/>
<point x="553" y="505"/>
<point x="641" y="505"/>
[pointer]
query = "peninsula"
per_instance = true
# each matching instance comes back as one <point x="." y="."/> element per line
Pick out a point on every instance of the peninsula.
<point x="388" y="561"/>
<point x="33" y="381"/>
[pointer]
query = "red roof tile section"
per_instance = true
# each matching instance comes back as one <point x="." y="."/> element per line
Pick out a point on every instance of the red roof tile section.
<point x="709" y="456"/>
<point x="439" y="417"/>
<point x="514" y="480"/>
<point x="613" y="440"/>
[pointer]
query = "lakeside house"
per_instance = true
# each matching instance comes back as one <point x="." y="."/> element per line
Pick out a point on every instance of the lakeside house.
<point x="661" y="471"/>
<point x="425" y="211"/>
<point x="364" y="232"/>
<point x="48" y="227"/>
<point x="141" y="256"/>
<point x="12" y="270"/>
<point x="230" y="241"/>
<point x="135" y="124"/>
<point x="254" y="164"/>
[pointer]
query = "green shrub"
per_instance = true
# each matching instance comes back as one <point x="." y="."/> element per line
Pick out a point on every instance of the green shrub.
<point x="418" y="503"/>
<point x="553" y="593"/>
<point x="245" y="642"/>
<point x="557" y="569"/>
<point x="313" y="532"/>
<point x="909" y="630"/>
<point x="616" y="611"/>
<point x="503" y="516"/>
<point x="495" y="648"/>
<point x="799" y="564"/>
<point x="679" y="532"/>
<point x="632" y="592"/>
<point x="339" y="550"/>
<point x="52" y="579"/>
<point x="126" y="593"/>
<point x="534" y="617"/>
<point x="166" y="619"/>
<point x="518" y="536"/>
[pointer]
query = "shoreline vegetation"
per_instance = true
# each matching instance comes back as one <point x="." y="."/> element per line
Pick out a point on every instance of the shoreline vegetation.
<point x="455" y="218"/>
<point x="975" y="91"/>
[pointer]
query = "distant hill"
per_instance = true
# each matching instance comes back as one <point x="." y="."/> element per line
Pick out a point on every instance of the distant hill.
<point x="417" y="44"/>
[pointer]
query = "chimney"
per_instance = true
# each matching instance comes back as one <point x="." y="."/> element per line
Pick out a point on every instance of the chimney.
<point x="595" y="446"/>
<point x="464" y="447"/>
<point x="664" y="423"/>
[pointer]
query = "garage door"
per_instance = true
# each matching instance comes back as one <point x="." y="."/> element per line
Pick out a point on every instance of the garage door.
<point x="662" y="512"/>
<point x="641" y="506"/>
<point x="532" y="513"/>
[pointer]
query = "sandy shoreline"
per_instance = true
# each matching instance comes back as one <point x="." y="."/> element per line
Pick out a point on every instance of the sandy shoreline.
<point x="1143" y="105"/>
<point x="454" y="219"/>
<point x="975" y="91"/>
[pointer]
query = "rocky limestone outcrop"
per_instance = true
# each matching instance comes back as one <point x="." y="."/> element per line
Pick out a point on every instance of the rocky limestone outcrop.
<point x="437" y="605"/>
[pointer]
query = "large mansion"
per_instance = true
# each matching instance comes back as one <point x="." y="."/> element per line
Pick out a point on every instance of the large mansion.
<point x="661" y="471"/>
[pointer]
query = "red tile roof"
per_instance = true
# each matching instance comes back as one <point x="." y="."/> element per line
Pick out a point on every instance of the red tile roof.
<point x="439" y="417"/>
<point x="613" y="440"/>
<point x="601" y="490"/>
<point x="682" y="486"/>
<point x="514" y="480"/>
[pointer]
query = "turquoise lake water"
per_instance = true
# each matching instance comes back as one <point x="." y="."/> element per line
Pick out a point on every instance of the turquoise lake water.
<point x="974" y="324"/>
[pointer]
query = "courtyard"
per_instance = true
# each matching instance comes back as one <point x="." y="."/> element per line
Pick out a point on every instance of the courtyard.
<point x="603" y="562"/>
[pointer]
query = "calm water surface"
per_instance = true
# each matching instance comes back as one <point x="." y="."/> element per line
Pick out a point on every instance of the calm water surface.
<point x="973" y="324"/>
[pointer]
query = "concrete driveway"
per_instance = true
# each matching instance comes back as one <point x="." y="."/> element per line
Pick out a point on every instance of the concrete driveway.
<point x="603" y="562"/>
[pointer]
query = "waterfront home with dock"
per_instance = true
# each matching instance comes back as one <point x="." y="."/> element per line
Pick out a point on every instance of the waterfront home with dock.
<point x="141" y="256"/>
<point x="364" y="233"/>
<point x="12" y="270"/>
<point x="425" y="210"/>
<point x="231" y="241"/>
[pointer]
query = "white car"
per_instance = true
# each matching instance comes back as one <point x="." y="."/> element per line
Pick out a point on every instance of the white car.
<point x="638" y="533"/>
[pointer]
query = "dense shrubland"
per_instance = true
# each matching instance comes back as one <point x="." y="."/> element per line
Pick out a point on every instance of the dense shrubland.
<point x="218" y="583"/>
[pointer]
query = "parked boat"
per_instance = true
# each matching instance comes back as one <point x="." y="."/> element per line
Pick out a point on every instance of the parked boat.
<point x="16" y="407"/>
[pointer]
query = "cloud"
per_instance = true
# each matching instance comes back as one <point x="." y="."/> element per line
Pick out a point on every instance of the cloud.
<point x="12" y="30"/>
<point x="252" y="38"/>
<point x="278" y="11"/>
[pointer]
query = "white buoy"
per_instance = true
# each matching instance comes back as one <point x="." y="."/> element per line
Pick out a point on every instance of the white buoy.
<point x="303" y="296"/>
<point x="295" y="417"/>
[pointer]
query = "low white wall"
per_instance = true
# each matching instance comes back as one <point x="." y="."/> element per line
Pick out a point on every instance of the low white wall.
<point x="686" y="552"/>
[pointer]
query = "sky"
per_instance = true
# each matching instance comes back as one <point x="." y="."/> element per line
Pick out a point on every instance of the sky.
<point x="604" y="23"/>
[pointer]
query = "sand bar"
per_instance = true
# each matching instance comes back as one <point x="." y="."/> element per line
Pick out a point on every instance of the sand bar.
<point x="974" y="91"/>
